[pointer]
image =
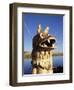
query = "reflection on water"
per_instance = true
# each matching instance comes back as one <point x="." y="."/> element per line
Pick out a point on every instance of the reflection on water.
<point x="27" y="66"/>
<point x="57" y="65"/>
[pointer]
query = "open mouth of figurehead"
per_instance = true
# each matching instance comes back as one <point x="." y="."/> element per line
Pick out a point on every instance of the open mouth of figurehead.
<point x="48" y="42"/>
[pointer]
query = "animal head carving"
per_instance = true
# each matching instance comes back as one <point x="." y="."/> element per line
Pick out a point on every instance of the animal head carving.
<point x="43" y="41"/>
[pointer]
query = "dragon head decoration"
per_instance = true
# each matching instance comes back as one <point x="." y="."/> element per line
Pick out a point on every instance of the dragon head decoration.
<point x="43" y="41"/>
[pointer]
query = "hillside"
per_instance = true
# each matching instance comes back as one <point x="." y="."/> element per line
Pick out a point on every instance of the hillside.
<point x="27" y="54"/>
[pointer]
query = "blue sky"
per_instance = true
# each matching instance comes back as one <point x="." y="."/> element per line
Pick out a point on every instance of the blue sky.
<point x="30" y="24"/>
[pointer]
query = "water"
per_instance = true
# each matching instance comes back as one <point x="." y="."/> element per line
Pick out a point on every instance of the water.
<point x="27" y="66"/>
<point x="57" y="63"/>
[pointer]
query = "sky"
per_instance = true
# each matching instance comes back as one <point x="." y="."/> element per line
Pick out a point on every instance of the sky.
<point x="30" y="24"/>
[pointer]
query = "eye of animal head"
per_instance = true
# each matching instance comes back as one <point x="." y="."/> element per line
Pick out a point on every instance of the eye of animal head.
<point x="43" y="35"/>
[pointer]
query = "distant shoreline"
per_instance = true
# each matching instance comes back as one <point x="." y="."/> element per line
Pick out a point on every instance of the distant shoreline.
<point x="27" y="55"/>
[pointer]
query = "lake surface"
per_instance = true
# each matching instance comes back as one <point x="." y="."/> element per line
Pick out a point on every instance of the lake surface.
<point x="57" y="64"/>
